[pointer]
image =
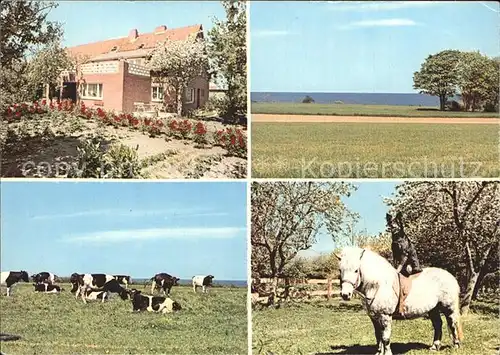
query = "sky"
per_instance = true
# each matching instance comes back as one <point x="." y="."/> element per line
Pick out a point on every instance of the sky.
<point x="136" y="229"/>
<point x="372" y="47"/>
<point x="92" y="21"/>
<point x="367" y="201"/>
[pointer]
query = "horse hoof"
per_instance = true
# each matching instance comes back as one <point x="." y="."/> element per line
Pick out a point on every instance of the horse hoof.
<point x="434" y="347"/>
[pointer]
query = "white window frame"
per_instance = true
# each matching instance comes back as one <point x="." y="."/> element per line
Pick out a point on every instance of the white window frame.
<point x="161" y="90"/>
<point x="186" y="96"/>
<point x="99" y="91"/>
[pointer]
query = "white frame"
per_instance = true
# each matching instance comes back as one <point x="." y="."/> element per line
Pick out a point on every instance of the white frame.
<point x="161" y="90"/>
<point x="100" y="89"/>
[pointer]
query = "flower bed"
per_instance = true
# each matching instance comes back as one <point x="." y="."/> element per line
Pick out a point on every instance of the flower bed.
<point x="233" y="140"/>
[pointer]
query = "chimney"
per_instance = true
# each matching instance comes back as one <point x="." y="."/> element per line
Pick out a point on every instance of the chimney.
<point x="160" y="29"/>
<point x="133" y="34"/>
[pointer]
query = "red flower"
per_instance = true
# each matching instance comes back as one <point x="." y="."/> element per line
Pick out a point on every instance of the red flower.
<point x="9" y="111"/>
<point x="200" y="129"/>
<point x="44" y="102"/>
<point x="39" y="110"/>
<point x="18" y="114"/>
<point x="159" y="123"/>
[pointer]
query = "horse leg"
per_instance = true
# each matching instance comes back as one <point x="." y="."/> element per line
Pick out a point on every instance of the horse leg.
<point x="386" y="328"/>
<point x="437" y="324"/>
<point x="378" y="336"/>
<point x="454" y="326"/>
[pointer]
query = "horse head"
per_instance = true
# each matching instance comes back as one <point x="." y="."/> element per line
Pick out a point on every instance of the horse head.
<point x="350" y="271"/>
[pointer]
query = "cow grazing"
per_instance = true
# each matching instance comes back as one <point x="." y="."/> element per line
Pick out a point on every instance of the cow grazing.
<point x="153" y="303"/>
<point x="163" y="281"/>
<point x="47" y="288"/>
<point x="83" y="282"/>
<point x="9" y="278"/>
<point x="123" y="279"/>
<point x="202" y="281"/>
<point x="44" y="277"/>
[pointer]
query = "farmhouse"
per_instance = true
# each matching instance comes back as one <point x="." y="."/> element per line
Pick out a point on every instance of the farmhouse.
<point x="112" y="74"/>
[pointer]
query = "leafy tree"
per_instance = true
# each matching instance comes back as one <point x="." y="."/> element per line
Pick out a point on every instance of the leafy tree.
<point x="437" y="76"/>
<point x="228" y="58"/>
<point x="478" y="80"/>
<point x="308" y="100"/>
<point x="455" y="226"/>
<point x="24" y="26"/>
<point x="46" y="66"/>
<point x="286" y="217"/>
<point x="177" y="63"/>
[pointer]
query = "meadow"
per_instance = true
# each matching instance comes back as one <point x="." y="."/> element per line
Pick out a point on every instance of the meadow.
<point x="292" y="108"/>
<point x="374" y="150"/>
<point x="213" y="323"/>
<point x="338" y="327"/>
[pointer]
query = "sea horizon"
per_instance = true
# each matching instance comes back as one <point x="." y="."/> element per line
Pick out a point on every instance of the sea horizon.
<point x="360" y="98"/>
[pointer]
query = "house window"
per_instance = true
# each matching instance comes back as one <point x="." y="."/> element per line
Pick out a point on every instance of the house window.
<point x="189" y="95"/>
<point x="157" y="93"/>
<point x="92" y="91"/>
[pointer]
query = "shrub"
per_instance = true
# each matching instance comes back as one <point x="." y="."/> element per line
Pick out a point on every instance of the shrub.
<point x="90" y="158"/>
<point x="308" y="100"/>
<point x="185" y="127"/>
<point x="454" y="105"/>
<point x="200" y="134"/>
<point x="121" y="161"/>
<point x="233" y="140"/>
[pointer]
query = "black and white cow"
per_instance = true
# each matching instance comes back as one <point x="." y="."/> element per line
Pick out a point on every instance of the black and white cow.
<point x="9" y="278"/>
<point x="82" y="282"/>
<point x="47" y="288"/>
<point x="203" y="281"/>
<point x="164" y="282"/>
<point x="123" y="279"/>
<point x="44" y="277"/>
<point x="153" y="303"/>
<point x="102" y="293"/>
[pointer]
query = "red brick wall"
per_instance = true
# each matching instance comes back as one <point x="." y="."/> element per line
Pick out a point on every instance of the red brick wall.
<point x="112" y="89"/>
<point x="136" y="88"/>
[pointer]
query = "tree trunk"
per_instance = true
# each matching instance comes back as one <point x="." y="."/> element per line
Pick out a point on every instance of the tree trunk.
<point x="47" y="92"/>
<point x="442" y="102"/>
<point x="467" y="298"/>
<point x="178" y="95"/>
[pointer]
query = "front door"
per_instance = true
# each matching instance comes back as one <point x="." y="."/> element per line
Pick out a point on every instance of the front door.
<point x="198" y="98"/>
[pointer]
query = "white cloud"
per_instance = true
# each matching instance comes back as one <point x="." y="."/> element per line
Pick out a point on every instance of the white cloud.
<point x="393" y="22"/>
<point x="270" y="33"/>
<point x="120" y="236"/>
<point x="379" y="5"/>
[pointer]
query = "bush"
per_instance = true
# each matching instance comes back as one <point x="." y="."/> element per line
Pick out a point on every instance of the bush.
<point x="120" y="161"/>
<point x="308" y="100"/>
<point x="233" y="141"/>
<point x="454" y="105"/>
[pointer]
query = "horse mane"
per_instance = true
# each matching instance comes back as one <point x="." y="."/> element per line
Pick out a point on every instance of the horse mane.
<point x="369" y="256"/>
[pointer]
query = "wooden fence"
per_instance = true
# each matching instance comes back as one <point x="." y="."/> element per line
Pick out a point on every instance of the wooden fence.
<point x="296" y="288"/>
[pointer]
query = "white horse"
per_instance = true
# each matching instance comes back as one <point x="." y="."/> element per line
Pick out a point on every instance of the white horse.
<point x="433" y="292"/>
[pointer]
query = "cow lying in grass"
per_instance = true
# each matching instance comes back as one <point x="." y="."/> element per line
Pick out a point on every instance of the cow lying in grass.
<point x="44" y="277"/>
<point x="47" y="288"/>
<point x="153" y="303"/>
<point x="87" y="285"/>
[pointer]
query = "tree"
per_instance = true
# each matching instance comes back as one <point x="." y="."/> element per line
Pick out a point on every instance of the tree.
<point x="437" y="76"/>
<point x="228" y="58"/>
<point x="177" y="63"/>
<point x="24" y="25"/>
<point x="455" y="226"/>
<point x="478" y="80"/>
<point x="308" y="100"/>
<point x="46" y="66"/>
<point x="286" y="217"/>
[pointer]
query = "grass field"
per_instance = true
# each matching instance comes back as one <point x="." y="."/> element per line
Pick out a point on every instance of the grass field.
<point x="337" y="327"/>
<point x="374" y="150"/>
<point x="358" y="110"/>
<point x="214" y="323"/>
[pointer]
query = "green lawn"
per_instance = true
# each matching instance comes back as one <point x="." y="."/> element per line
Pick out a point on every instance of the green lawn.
<point x="337" y="327"/>
<point x="358" y="110"/>
<point x="214" y="323"/>
<point x="374" y="150"/>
